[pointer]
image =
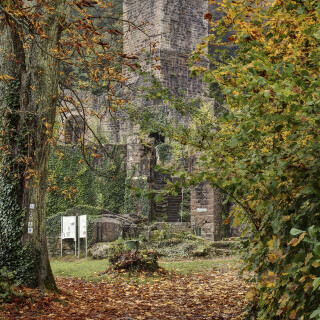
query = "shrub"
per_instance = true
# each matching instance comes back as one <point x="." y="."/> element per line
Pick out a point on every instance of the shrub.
<point x="7" y="284"/>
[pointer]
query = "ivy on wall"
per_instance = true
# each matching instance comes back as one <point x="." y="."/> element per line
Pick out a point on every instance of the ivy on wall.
<point x="163" y="150"/>
<point x="72" y="182"/>
<point x="136" y="198"/>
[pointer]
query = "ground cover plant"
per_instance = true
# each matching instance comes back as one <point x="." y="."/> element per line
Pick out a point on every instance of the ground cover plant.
<point x="92" y="269"/>
<point x="170" y="243"/>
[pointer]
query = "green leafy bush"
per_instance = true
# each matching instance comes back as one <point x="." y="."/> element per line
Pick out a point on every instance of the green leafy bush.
<point x="164" y="152"/>
<point x="136" y="191"/>
<point x="7" y="283"/>
<point x="263" y="152"/>
<point x="172" y="243"/>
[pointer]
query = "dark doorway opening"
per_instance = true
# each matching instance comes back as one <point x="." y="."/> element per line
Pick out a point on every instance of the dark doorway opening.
<point x="158" y="138"/>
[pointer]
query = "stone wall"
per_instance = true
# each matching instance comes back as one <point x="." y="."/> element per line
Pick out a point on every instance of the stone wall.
<point x="171" y="31"/>
<point x="206" y="211"/>
<point x="166" y="31"/>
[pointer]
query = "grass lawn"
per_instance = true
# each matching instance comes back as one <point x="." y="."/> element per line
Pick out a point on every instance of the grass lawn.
<point x="89" y="269"/>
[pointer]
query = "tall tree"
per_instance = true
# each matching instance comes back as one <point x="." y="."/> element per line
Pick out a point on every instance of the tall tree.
<point x="36" y="38"/>
<point x="29" y="89"/>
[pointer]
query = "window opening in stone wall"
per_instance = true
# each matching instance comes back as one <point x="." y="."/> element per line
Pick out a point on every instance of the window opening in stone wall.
<point x="74" y="129"/>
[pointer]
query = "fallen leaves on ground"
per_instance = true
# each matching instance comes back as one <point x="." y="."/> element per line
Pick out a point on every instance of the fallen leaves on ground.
<point x="216" y="295"/>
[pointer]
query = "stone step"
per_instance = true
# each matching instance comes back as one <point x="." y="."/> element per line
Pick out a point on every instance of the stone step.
<point x="177" y="203"/>
<point x="232" y="239"/>
<point x="173" y="205"/>
<point x="177" y="219"/>
<point x="173" y="210"/>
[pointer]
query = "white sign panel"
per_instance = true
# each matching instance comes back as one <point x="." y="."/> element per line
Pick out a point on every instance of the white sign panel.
<point x="69" y="227"/>
<point x="83" y="226"/>
<point x="202" y="209"/>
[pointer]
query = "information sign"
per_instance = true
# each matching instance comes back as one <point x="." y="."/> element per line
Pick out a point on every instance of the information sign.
<point x="69" y="227"/>
<point x="83" y="226"/>
<point x="202" y="209"/>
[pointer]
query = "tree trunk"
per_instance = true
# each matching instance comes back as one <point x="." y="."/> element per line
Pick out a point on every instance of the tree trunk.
<point x="28" y="107"/>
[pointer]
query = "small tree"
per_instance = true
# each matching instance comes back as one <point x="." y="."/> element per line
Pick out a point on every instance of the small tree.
<point x="262" y="149"/>
<point x="264" y="152"/>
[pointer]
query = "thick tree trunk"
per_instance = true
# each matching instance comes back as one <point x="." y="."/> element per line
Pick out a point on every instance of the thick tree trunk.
<point x="28" y="106"/>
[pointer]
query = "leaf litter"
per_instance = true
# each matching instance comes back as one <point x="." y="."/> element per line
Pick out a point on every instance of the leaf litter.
<point x="214" y="295"/>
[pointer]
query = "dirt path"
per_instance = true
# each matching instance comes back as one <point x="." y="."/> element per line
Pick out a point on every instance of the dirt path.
<point x="218" y="295"/>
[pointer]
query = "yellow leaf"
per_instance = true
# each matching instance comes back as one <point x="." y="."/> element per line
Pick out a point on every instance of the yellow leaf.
<point x="270" y="243"/>
<point x="307" y="286"/>
<point x="274" y="255"/>
<point x="293" y="314"/>
<point x="295" y="241"/>
<point x="308" y="257"/>
<point x="270" y="284"/>
<point x="272" y="258"/>
<point x="251" y="295"/>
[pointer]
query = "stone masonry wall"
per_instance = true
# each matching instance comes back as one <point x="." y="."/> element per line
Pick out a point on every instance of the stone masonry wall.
<point x="206" y="210"/>
<point x="162" y="33"/>
<point x="171" y="31"/>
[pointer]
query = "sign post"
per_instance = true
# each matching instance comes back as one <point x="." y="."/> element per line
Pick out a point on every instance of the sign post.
<point x="68" y="230"/>
<point x="82" y="225"/>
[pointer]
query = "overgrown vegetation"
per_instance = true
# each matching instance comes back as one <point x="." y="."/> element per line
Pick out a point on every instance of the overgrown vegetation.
<point x="169" y="244"/>
<point x="63" y="45"/>
<point x="179" y="244"/>
<point x="73" y="183"/>
<point x="136" y="190"/>
<point x="7" y="284"/>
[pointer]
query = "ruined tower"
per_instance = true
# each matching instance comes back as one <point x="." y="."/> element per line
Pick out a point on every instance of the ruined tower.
<point x="171" y="31"/>
<point x="163" y="33"/>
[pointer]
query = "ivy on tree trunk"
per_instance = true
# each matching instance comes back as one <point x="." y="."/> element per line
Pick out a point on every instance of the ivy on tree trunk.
<point x="29" y="92"/>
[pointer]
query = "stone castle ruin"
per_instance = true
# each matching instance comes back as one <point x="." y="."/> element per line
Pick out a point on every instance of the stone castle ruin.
<point x="171" y="31"/>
